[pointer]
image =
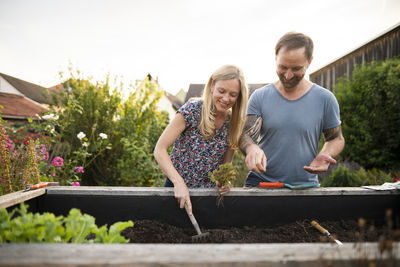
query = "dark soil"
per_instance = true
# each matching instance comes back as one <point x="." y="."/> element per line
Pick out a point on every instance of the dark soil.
<point x="146" y="231"/>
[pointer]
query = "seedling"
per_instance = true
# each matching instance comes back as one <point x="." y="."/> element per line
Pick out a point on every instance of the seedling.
<point x="223" y="176"/>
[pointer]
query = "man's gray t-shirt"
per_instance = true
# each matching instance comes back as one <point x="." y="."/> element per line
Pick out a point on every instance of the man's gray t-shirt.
<point x="291" y="130"/>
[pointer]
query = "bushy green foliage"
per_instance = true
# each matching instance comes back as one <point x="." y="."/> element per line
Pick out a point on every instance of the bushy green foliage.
<point x="370" y="112"/>
<point x="131" y="126"/>
<point x="140" y="126"/>
<point x="47" y="228"/>
<point x="240" y="166"/>
<point x="341" y="176"/>
<point x="89" y="109"/>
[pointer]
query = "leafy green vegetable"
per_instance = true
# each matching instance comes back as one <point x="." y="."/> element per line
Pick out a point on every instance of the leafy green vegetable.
<point x="113" y="235"/>
<point x="78" y="226"/>
<point x="47" y="228"/>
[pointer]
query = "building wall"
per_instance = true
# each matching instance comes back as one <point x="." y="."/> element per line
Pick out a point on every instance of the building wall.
<point x="383" y="47"/>
<point x="166" y="105"/>
<point x="6" y="87"/>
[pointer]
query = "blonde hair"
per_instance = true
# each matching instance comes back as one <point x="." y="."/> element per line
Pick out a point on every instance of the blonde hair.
<point x="238" y="114"/>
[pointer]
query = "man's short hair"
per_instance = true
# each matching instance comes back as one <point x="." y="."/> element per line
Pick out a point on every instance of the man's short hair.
<point x="294" y="40"/>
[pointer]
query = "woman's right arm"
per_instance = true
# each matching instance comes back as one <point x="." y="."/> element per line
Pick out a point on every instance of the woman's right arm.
<point x="167" y="138"/>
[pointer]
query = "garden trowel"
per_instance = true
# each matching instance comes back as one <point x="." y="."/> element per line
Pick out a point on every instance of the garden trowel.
<point x="200" y="237"/>
<point x="35" y="186"/>
<point x="325" y="232"/>
<point x="281" y="185"/>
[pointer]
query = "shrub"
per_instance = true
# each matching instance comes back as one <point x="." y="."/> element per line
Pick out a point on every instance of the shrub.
<point x="130" y="126"/>
<point x="140" y="126"/>
<point x="370" y="112"/>
<point x="342" y="176"/>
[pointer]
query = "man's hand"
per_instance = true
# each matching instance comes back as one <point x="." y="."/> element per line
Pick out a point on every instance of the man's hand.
<point x="256" y="159"/>
<point x="320" y="164"/>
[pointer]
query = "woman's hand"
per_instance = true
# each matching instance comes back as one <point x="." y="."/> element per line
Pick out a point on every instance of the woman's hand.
<point x="181" y="192"/>
<point x="224" y="189"/>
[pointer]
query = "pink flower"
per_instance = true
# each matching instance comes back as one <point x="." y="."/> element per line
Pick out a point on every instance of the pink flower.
<point x="79" y="169"/>
<point x="46" y="156"/>
<point x="9" y="143"/>
<point x="53" y="174"/>
<point x="75" y="184"/>
<point x="57" y="162"/>
<point x="43" y="149"/>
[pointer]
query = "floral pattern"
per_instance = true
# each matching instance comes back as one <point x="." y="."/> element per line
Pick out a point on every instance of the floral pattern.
<point x="194" y="157"/>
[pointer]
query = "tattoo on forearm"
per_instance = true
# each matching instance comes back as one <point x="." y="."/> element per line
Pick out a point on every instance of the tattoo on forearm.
<point x="251" y="131"/>
<point x="332" y="133"/>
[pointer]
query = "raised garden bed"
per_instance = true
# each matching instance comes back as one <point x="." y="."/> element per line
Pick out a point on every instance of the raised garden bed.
<point x="248" y="215"/>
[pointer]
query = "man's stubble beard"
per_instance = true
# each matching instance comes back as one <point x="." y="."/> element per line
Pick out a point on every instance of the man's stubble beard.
<point x="292" y="82"/>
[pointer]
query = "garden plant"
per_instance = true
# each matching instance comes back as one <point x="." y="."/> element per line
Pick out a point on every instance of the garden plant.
<point x="223" y="176"/>
<point x="21" y="226"/>
<point x="370" y="113"/>
<point x="92" y="135"/>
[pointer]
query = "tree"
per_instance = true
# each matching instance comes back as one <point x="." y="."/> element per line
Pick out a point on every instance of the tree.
<point x="370" y="113"/>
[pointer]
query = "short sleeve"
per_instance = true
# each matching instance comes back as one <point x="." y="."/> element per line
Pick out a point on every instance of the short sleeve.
<point x="332" y="113"/>
<point x="191" y="112"/>
<point x="253" y="106"/>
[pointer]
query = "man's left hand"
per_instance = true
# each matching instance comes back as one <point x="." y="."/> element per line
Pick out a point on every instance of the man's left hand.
<point x="320" y="164"/>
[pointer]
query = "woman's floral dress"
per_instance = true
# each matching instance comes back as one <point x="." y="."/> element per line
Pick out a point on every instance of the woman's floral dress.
<point x="194" y="157"/>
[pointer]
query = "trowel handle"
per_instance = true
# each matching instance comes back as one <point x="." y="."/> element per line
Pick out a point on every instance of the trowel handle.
<point x="193" y="220"/>
<point x="267" y="184"/>
<point x="39" y="185"/>
<point x="320" y="228"/>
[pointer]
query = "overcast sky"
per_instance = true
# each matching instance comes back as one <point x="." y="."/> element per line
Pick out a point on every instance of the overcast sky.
<point x="178" y="41"/>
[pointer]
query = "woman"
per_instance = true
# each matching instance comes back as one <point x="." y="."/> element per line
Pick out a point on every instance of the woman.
<point x="205" y="133"/>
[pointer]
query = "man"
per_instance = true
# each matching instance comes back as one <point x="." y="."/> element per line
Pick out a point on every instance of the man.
<point x="288" y="118"/>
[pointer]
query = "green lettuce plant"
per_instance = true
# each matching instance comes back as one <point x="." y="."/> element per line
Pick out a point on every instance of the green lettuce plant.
<point x="21" y="226"/>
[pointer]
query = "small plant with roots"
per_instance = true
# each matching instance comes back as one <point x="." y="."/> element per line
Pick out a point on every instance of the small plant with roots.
<point x="223" y="176"/>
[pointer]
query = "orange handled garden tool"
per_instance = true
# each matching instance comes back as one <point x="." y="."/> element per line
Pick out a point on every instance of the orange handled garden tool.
<point x="325" y="232"/>
<point x="36" y="186"/>
<point x="281" y="185"/>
